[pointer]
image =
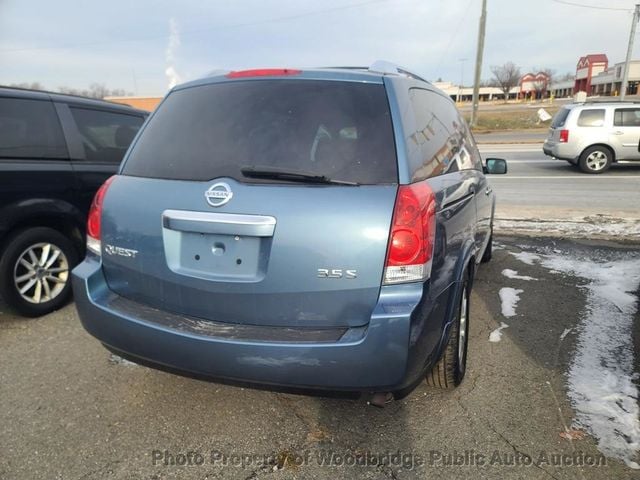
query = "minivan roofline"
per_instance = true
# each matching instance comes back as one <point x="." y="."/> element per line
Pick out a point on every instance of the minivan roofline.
<point x="343" y="73"/>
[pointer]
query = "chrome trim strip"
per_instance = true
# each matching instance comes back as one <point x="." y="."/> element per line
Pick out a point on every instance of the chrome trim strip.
<point x="219" y="223"/>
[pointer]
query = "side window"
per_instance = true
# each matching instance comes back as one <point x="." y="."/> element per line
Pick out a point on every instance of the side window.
<point x="593" y="117"/>
<point x="30" y="129"/>
<point x="105" y="135"/>
<point x="627" y="117"/>
<point x="435" y="144"/>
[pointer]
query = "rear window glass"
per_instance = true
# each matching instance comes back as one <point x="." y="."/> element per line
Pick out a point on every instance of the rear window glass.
<point x="591" y="118"/>
<point x="105" y="135"/>
<point x="560" y="117"/>
<point x="30" y="129"/>
<point x="340" y="130"/>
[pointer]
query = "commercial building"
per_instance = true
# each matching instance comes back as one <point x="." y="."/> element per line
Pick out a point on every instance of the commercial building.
<point x="595" y="77"/>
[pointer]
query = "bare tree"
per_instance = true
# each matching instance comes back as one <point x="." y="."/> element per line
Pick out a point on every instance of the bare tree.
<point x="566" y="76"/>
<point x="507" y="76"/>
<point x="30" y="86"/>
<point x="491" y="82"/>
<point x="95" y="90"/>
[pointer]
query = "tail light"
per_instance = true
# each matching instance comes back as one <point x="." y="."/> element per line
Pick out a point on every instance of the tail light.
<point x="412" y="236"/>
<point x="95" y="218"/>
<point x="564" y="136"/>
<point x="263" y="72"/>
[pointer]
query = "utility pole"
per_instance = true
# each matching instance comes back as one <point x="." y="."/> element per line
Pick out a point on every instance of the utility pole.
<point x="476" y="79"/>
<point x="627" y="65"/>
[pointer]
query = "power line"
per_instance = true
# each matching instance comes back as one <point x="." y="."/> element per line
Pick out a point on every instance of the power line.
<point x="595" y="7"/>
<point x="198" y="31"/>
<point x="455" y="34"/>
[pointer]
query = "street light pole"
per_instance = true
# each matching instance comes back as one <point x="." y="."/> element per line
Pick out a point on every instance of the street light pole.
<point x="627" y="65"/>
<point x="478" y="72"/>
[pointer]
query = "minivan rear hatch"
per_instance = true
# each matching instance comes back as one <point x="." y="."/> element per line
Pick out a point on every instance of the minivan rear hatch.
<point x="263" y="202"/>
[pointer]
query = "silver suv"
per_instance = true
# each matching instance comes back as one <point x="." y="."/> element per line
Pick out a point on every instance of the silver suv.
<point x="595" y="135"/>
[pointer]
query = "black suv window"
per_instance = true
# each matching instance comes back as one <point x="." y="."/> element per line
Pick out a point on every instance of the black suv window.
<point x="30" y="129"/>
<point x="341" y="130"/>
<point x="627" y="117"/>
<point x="105" y="135"/>
<point x="593" y="117"/>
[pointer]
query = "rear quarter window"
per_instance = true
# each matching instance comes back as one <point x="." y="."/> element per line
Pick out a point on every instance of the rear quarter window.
<point x="593" y="117"/>
<point x="441" y="142"/>
<point x="30" y="129"/>
<point x="105" y="135"/>
<point x="341" y="130"/>
<point x="560" y="118"/>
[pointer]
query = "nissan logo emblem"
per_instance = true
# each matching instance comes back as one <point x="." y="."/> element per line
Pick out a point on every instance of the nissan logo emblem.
<point x="218" y="194"/>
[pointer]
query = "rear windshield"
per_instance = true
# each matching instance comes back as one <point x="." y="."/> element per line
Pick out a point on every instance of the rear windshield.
<point x="560" y="117"/>
<point x="340" y="130"/>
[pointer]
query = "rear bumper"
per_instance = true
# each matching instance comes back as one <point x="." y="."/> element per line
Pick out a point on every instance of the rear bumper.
<point x="378" y="357"/>
<point x="561" y="151"/>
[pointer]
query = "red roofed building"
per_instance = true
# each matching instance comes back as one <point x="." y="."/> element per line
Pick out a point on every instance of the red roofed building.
<point x="535" y="84"/>
<point x="588" y="67"/>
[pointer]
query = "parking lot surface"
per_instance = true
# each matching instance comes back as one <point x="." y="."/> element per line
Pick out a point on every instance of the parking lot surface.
<point x="70" y="410"/>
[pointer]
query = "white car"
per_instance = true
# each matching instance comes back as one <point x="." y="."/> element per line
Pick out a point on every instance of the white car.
<point x="595" y="135"/>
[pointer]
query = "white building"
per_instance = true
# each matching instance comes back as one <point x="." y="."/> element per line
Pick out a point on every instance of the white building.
<point x="465" y="94"/>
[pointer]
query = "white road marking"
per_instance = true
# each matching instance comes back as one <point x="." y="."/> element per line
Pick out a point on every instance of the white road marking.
<point x="536" y="161"/>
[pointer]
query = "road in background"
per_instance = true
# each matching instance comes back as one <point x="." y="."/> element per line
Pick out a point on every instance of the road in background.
<point x="500" y="106"/>
<point x="512" y="137"/>
<point x="536" y="186"/>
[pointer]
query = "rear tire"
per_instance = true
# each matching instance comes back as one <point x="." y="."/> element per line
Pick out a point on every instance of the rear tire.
<point x="35" y="270"/>
<point x="596" y="159"/>
<point x="450" y="369"/>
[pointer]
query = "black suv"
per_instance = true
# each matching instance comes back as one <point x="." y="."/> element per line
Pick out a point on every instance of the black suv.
<point x="55" y="151"/>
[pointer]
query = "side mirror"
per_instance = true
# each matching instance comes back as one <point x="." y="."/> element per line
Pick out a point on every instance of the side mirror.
<point x="495" y="166"/>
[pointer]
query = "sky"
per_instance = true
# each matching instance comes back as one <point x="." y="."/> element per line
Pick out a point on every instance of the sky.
<point x="144" y="46"/>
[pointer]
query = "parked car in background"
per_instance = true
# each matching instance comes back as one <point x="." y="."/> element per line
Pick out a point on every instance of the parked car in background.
<point x="595" y="135"/>
<point x="316" y="229"/>
<point x="55" y="151"/>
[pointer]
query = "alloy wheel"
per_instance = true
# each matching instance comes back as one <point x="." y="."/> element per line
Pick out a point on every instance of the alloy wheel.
<point x="596" y="160"/>
<point x="41" y="273"/>
<point x="462" y="330"/>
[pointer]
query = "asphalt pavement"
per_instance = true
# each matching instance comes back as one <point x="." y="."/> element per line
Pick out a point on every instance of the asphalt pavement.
<point x="69" y="410"/>
<point x="541" y="187"/>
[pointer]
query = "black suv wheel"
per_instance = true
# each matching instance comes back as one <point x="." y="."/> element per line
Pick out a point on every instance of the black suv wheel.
<point x="35" y="270"/>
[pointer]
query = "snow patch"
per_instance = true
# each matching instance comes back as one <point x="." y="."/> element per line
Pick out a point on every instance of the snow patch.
<point x="526" y="257"/>
<point x="565" y="333"/>
<point x="509" y="298"/>
<point x="117" y="360"/>
<point x="585" y="227"/>
<point x="496" y="335"/>
<point x="507" y="272"/>
<point x="601" y="378"/>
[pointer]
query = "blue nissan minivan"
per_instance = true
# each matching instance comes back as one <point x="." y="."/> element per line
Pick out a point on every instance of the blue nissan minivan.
<point x="315" y="229"/>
